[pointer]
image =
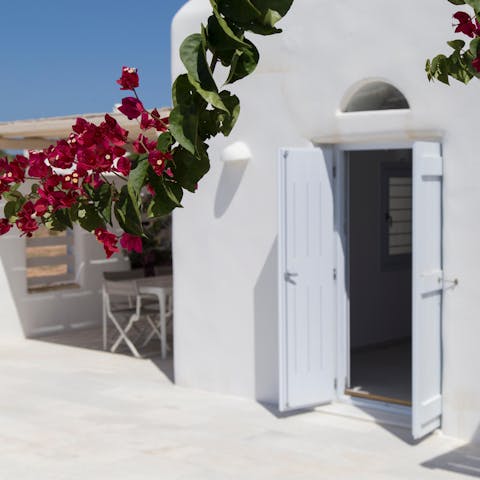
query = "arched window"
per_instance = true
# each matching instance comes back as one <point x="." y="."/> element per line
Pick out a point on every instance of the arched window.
<point x="376" y="95"/>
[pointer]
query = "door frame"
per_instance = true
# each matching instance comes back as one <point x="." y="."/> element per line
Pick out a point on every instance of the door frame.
<point x="341" y="197"/>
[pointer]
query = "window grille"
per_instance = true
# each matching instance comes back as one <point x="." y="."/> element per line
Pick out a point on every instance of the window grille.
<point x="399" y="215"/>
<point x="396" y="214"/>
<point x="50" y="260"/>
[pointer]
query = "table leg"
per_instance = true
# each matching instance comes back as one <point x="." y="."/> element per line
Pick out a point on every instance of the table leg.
<point x="104" y="319"/>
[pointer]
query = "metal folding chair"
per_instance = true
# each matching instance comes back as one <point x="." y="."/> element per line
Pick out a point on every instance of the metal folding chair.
<point x="121" y="304"/>
<point x="130" y="313"/>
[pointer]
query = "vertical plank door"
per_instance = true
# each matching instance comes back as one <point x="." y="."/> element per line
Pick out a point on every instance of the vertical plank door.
<point x="427" y="288"/>
<point x="306" y="278"/>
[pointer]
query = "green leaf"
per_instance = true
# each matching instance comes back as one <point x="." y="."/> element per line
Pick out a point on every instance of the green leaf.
<point x="457" y="2"/>
<point x="164" y="142"/>
<point x="102" y="200"/>
<point x="174" y="192"/>
<point x="105" y="195"/>
<point x="474" y="46"/>
<point x="210" y="123"/>
<point x="233" y="104"/>
<point x="220" y="35"/>
<point x="258" y="16"/>
<point x="475" y="4"/>
<point x="168" y="196"/>
<point x="183" y="92"/>
<point x="456" y="44"/>
<point x="60" y="220"/>
<point x="136" y="179"/>
<point x="12" y="195"/>
<point x="184" y="127"/>
<point x="241" y="11"/>
<point x="11" y="209"/>
<point x="189" y="169"/>
<point x="127" y="213"/>
<point x="193" y="56"/>
<point x="280" y="7"/>
<point x="439" y="69"/>
<point x="244" y="63"/>
<point x="89" y="219"/>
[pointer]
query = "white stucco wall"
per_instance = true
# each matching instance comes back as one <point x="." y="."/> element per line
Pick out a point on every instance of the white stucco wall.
<point x="225" y="238"/>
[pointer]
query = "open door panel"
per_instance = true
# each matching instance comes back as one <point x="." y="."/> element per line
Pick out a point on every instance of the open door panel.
<point x="306" y="294"/>
<point x="427" y="288"/>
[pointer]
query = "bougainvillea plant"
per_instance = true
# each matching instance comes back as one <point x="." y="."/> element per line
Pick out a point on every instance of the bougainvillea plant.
<point x="91" y="179"/>
<point x="463" y="63"/>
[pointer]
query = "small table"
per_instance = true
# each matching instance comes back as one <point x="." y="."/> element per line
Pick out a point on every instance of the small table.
<point x="159" y="287"/>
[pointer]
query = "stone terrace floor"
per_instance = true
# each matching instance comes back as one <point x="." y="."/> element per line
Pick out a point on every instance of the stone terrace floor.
<point x="71" y="413"/>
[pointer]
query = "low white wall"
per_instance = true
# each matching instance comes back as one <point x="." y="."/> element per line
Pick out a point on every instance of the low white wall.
<point x="35" y="314"/>
<point x="225" y="238"/>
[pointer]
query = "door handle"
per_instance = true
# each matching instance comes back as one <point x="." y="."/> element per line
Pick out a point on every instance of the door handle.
<point x="288" y="277"/>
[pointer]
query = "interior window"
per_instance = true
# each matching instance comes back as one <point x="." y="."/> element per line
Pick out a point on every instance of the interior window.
<point x="396" y="214"/>
<point x="50" y="260"/>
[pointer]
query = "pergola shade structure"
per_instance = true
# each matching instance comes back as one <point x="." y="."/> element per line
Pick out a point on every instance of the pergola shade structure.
<point x="42" y="132"/>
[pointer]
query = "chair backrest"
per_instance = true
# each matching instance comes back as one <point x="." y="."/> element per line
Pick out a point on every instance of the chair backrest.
<point x="121" y="288"/>
<point x="118" y="293"/>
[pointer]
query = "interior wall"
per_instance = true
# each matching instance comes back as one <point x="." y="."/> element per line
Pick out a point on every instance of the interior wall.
<point x="380" y="296"/>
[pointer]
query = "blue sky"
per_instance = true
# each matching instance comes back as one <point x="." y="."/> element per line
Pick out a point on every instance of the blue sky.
<point x="61" y="57"/>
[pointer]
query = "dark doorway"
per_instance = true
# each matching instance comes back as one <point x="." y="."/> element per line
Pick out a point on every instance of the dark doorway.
<point x="380" y="269"/>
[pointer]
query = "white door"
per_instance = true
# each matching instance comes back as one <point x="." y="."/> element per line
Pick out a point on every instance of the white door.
<point x="306" y="283"/>
<point x="427" y="288"/>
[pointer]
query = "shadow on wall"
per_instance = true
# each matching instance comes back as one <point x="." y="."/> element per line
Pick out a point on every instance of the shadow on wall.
<point x="230" y="179"/>
<point x="464" y="460"/>
<point x="266" y="330"/>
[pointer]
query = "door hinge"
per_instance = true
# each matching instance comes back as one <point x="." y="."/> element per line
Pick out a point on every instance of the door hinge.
<point x="285" y="154"/>
<point x="334" y="273"/>
<point x="334" y="171"/>
<point x="335" y="384"/>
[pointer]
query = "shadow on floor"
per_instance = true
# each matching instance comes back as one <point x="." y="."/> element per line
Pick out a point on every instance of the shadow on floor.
<point x="464" y="460"/>
<point x="273" y="410"/>
<point x="91" y="339"/>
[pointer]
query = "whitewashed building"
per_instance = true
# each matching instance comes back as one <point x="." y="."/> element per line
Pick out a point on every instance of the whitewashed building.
<point x="331" y="254"/>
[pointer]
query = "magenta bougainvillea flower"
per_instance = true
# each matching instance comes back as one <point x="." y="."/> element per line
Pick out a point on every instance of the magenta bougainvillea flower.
<point x="465" y="24"/>
<point x="4" y="226"/>
<point x="71" y="173"/>
<point x="109" y="241"/>
<point x="131" y="107"/>
<point x="41" y="206"/>
<point x="113" y="132"/>
<point x="131" y="243"/>
<point x="26" y="219"/>
<point x="38" y="166"/>
<point x="129" y="79"/>
<point x="123" y="166"/>
<point x="158" y="160"/>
